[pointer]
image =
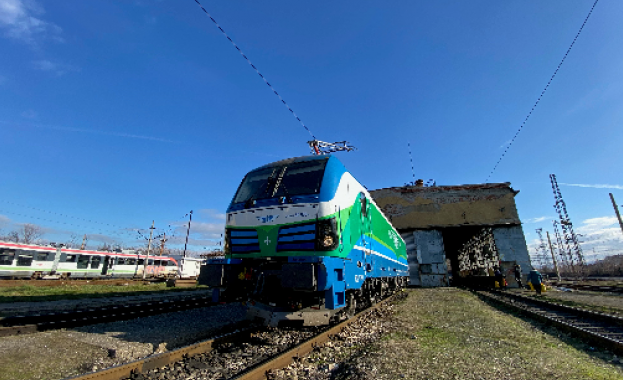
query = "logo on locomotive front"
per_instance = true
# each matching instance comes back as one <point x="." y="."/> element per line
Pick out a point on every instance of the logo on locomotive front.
<point x="394" y="237"/>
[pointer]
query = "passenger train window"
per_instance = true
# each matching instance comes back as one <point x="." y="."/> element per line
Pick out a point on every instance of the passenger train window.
<point x="141" y="262"/>
<point x="164" y="263"/>
<point x="83" y="261"/>
<point x="95" y="262"/>
<point x="130" y="262"/>
<point x="157" y="263"/>
<point x="151" y="262"/>
<point x="71" y="258"/>
<point x="41" y="256"/>
<point x="25" y="259"/>
<point x="120" y="261"/>
<point x="7" y="257"/>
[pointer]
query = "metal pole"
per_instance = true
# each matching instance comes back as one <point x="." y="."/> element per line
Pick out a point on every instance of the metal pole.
<point x="164" y="238"/>
<point x="553" y="256"/>
<point x="616" y="210"/>
<point x="84" y="242"/>
<point x="188" y="232"/>
<point x="151" y="233"/>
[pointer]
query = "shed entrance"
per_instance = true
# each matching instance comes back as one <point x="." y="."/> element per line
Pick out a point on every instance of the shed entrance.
<point x="471" y="254"/>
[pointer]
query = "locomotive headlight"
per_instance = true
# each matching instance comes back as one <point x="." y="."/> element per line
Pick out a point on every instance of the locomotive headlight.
<point x="326" y="238"/>
<point x="328" y="241"/>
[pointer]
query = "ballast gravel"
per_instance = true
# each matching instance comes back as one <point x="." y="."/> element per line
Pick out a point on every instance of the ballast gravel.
<point x="226" y="361"/>
<point x="62" y="353"/>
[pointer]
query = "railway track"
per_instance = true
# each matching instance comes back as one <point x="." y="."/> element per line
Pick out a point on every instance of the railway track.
<point x="592" y="288"/>
<point x="81" y="282"/>
<point x="28" y="324"/>
<point x="252" y="353"/>
<point x="602" y="329"/>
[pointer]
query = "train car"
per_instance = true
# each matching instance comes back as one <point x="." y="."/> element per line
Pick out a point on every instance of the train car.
<point x="35" y="261"/>
<point x="305" y="244"/>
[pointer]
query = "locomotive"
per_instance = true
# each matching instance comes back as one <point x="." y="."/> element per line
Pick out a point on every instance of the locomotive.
<point x="36" y="261"/>
<point x="306" y="245"/>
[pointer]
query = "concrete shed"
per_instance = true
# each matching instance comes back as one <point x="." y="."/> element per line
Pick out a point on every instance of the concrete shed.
<point x="456" y="232"/>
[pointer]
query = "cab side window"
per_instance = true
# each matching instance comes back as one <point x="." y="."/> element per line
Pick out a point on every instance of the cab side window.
<point x="364" y="204"/>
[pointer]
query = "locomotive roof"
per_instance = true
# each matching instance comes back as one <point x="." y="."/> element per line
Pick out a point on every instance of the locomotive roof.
<point x="296" y="159"/>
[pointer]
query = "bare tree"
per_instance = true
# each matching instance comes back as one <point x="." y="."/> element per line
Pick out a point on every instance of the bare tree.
<point x="31" y="233"/>
<point x="73" y="240"/>
<point x="13" y="236"/>
<point x="105" y="247"/>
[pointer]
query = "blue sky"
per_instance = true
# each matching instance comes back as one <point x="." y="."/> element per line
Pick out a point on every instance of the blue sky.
<point x="117" y="113"/>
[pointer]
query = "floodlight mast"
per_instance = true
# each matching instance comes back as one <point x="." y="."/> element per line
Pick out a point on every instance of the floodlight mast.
<point x="322" y="147"/>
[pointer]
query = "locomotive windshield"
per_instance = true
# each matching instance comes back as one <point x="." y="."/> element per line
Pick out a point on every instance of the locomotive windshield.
<point x="297" y="178"/>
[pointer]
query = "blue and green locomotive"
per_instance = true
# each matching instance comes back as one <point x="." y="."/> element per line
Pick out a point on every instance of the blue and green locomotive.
<point x="305" y="244"/>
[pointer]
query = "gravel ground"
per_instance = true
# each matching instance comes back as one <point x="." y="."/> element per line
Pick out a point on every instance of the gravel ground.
<point x="22" y="308"/>
<point x="63" y="353"/>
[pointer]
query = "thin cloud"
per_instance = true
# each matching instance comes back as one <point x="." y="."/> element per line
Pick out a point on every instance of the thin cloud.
<point x="4" y="221"/>
<point x="17" y="18"/>
<point x="213" y="213"/>
<point x="56" y="68"/>
<point x="537" y="220"/>
<point x="29" y="114"/>
<point x="594" y="186"/>
<point x="95" y="132"/>
<point x="597" y="224"/>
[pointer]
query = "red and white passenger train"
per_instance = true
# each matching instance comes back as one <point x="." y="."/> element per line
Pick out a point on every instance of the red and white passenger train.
<point x="34" y="261"/>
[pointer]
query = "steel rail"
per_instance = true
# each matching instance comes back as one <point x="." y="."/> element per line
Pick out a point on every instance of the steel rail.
<point x="125" y="371"/>
<point x="260" y="371"/>
<point x="592" y="288"/>
<point x="601" y="329"/>
<point x="19" y="325"/>
<point x="256" y="372"/>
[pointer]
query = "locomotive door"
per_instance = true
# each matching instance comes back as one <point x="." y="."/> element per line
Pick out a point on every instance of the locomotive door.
<point x="106" y="265"/>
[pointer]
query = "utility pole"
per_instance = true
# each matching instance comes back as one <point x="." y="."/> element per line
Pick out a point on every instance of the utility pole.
<point x="188" y="232"/>
<point x="553" y="256"/>
<point x="84" y="242"/>
<point x="151" y="233"/>
<point x="164" y="239"/>
<point x="616" y="211"/>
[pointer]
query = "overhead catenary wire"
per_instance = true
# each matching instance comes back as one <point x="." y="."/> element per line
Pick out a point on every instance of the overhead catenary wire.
<point x="255" y="68"/>
<point x="125" y="231"/>
<point x="542" y="92"/>
<point x="63" y="215"/>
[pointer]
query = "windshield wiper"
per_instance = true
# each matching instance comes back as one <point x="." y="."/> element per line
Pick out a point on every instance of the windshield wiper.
<point x="269" y="183"/>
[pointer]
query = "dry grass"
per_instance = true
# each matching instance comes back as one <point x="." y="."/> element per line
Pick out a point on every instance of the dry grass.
<point x="451" y="334"/>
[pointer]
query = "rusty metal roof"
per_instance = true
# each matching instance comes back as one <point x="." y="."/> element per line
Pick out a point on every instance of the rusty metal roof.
<point x="445" y="189"/>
